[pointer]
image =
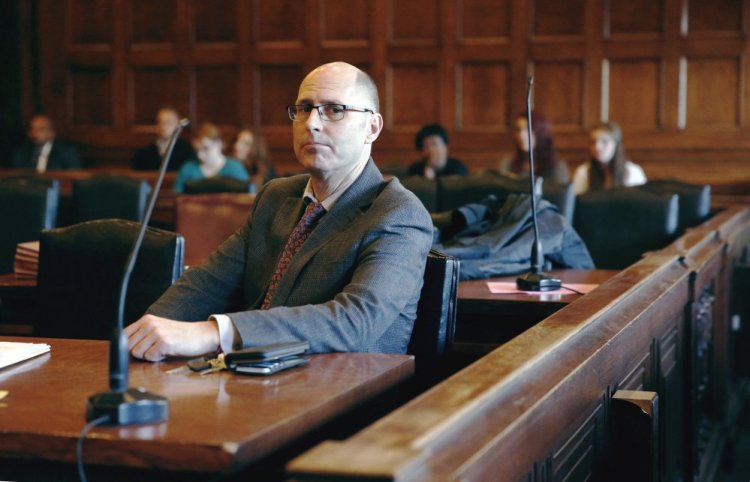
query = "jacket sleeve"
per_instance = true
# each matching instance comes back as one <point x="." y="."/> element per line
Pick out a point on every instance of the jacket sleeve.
<point x="384" y="288"/>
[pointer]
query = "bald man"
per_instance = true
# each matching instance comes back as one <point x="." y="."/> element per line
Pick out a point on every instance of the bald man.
<point x="42" y="151"/>
<point x="335" y="256"/>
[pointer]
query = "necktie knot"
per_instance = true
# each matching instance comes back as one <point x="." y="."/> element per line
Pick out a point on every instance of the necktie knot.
<point x="312" y="213"/>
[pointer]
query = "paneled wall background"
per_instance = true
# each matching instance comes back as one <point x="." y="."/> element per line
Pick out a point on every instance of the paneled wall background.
<point x="673" y="73"/>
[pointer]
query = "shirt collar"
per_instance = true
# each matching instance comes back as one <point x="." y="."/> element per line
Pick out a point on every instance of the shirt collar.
<point x="330" y="201"/>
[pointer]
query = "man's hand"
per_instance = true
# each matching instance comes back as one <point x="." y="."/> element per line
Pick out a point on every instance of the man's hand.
<point x="153" y="338"/>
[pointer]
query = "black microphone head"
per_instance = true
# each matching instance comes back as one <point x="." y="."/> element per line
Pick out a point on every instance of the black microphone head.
<point x="184" y="122"/>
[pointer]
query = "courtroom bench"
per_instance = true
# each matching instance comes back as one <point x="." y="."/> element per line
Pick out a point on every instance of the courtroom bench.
<point x="551" y="404"/>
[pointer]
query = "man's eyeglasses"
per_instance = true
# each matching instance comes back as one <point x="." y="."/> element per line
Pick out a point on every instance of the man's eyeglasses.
<point x="328" y="112"/>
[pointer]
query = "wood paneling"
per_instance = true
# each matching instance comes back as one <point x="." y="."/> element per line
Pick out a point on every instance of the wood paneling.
<point x="554" y="18"/>
<point x="634" y="93"/>
<point x="673" y="73"/>
<point x="631" y="17"/>
<point x="483" y="93"/>
<point x="90" y="21"/>
<point x="414" y="22"/>
<point x="217" y="89"/>
<point x="712" y="93"/>
<point x="153" y="22"/>
<point x="91" y="96"/>
<point x="483" y="20"/>
<point x="715" y="15"/>
<point x="215" y="22"/>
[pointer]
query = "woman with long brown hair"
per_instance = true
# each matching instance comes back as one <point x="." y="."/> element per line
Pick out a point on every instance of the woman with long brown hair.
<point x="546" y="163"/>
<point x="608" y="165"/>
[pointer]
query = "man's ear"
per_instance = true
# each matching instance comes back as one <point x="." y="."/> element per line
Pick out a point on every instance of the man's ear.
<point x="375" y="126"/>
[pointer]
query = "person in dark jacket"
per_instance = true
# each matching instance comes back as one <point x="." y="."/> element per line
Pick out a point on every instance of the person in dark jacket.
<point x="432" y="142"/>
<point x="148" y="158"/>
<point x="42" y="151"/>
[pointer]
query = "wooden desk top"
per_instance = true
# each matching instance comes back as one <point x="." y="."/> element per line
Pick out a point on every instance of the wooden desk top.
<point x="477" y="290"/>
<point x="217" y="422"/>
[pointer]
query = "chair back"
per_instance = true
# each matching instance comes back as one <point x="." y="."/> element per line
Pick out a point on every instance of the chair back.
<point x="425" y="189"/>
<point x="457" y="191"/>
<point x="216" y="184"/>
<point x="109" y="196"/>
<point x="695" y="200"/>
<point x="436" y="312"/>
<point x="81" y="269"/>
<point x="561" y="195"/>
<point x="207" y="220"/>
<point x="619" y="225"/>
<point x="27" y="206"/>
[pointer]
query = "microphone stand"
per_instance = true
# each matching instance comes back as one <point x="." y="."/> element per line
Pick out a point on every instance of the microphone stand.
<point x="535" y="280"/>
<point x="123" y="405"/>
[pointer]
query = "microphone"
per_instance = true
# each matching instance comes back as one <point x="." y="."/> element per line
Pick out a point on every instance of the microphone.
<point x="123" y="405"/>
<point x="535" y="280"/>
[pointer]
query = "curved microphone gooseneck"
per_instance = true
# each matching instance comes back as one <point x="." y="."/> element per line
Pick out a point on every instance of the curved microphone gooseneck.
<point x="534" y="280"/>
<point x="123" y="405"/>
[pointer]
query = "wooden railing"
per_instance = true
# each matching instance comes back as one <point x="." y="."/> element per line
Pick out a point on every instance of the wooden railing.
<point x="540" y="407"/>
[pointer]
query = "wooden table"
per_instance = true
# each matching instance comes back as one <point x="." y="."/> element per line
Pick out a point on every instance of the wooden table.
<point x="486" y="320"/>
<point x="218" y="423"/>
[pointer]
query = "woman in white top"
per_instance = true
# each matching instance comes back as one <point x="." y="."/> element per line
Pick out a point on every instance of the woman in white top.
<point x="608" y="166"/>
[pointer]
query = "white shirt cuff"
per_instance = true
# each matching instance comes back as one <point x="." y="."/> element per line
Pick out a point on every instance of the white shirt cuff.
<point x="228" y="336"/>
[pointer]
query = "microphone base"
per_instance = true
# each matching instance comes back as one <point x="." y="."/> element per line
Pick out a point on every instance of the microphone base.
<point x="537" y="282"/>
<point x="132" y="406"/>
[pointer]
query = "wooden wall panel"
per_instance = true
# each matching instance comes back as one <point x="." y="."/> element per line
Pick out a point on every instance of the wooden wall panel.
<point x="558" y="92"/>
<point x="714" y="16"/>
<point x="91" y="96"/>
<point x="152" y="88"/>
<point x="555" y="18"/>
<point x="215" y="22"/>
<point x="217" y="91"/>
<point x="414" y="96"/>
<point x="480" y="20"/>
<point x="673" y="73"/>
<point x="414" y="22"/>
<point x="346" y="20"/>
<point x="90" y="21"/>
<point x="632" y="17"/>
<point x="634" y="93"/>
<point x="484" y="93"/>
<point x="280" y="21"/>
<point x="712" y="93"/>
<point x="153" y="22"/>
<point x="277" y="88"/>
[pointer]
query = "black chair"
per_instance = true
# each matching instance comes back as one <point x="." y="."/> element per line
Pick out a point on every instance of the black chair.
<point x="561" y="195"/>
<point x="109" y="196"/>
<point x="457" y="191"/>
<point x="436" y="315"/>
<point x="216" y="184"/>
<point x="27" y="206"/>
<point x="425" y="189"/>
<point x="619" y="225"/>
<point x="695" y="200"/>
<point x="81" y="268"/>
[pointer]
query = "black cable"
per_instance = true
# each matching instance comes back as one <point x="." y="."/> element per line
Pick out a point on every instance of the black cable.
<point x="79" y="446"/>
<point x="571" y="289"/>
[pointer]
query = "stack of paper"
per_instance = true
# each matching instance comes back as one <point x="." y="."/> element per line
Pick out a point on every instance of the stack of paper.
<point x="15" y="352"/>
<point x="26" y="263"/>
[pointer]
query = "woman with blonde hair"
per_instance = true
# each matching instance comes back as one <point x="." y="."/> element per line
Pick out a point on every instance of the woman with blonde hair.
<point x="211" y="161"/>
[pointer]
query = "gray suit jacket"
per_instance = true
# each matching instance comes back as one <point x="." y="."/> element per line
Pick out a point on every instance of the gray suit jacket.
<point x="353" y="286"/>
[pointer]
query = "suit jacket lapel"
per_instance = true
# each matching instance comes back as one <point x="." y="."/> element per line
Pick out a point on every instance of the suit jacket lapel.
<point x="347" y="209"/>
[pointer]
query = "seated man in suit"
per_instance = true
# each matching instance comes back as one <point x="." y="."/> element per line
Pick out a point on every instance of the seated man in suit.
<point x="148" y="158"/>
<point x="432" y="142"/>
<point x="335" y="256"/>
<point x="42" y="151"/>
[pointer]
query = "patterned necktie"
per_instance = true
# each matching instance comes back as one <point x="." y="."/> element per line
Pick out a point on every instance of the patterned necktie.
<point x="293" y="244"/>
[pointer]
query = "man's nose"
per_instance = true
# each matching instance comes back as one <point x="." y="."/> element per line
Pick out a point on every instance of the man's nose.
<point x="314" y="121"/>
